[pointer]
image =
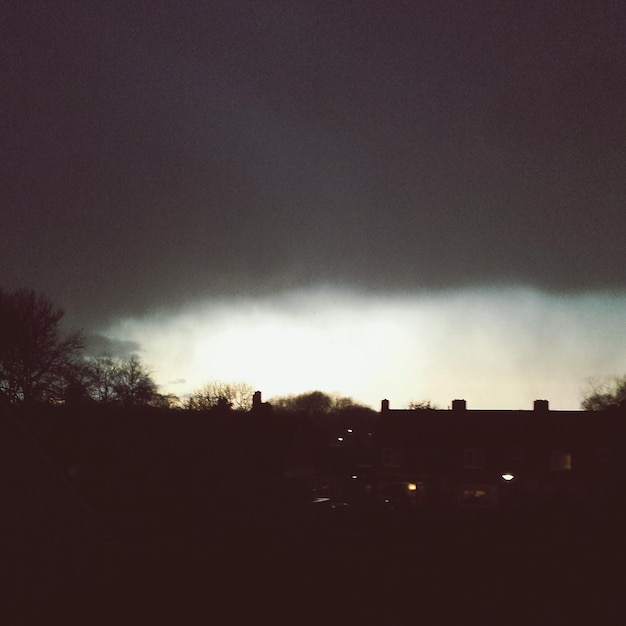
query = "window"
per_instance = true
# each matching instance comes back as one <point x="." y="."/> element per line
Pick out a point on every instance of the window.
<point x="474" y="458"/>
<point x="477" y="495"/>
<point x="392" y="457"/>
<point x="560" y="461"/>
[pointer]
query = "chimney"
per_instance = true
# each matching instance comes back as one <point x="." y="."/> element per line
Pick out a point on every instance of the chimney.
<point x="541" y="406"/>
<point x="256" y="400"/>
<point x="384" y="406"/>
<point x="459" y="405"/>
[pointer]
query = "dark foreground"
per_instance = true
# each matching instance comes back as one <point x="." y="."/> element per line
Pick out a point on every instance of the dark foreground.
<point x="340" y="568"/>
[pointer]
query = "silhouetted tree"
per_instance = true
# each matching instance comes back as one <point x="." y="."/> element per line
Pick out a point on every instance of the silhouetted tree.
<point x="75" y="385"/>
<point x="314" y="402"/>
<point x="610" y="394"/>
<point x="134" y="384"/>
<point x="102" y="377"/>
<point x="422" y="405"/>
<point x="166" y="401"/>
<point x="113" y="379"/>
<point x="34" y="357"/>
<point x="212" y="394"/>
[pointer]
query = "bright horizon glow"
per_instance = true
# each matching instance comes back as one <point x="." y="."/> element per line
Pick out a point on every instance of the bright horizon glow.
<point x="497" y="349"/>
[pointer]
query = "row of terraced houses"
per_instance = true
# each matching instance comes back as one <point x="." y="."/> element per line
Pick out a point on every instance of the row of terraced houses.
<point x="485" y="459"/>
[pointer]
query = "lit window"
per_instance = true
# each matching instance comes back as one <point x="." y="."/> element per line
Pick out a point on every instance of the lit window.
<point x="419" y="489"/>
<point x="474" y="458"/>
<point x="477" y="495"/>
<point x="560" y="461"/>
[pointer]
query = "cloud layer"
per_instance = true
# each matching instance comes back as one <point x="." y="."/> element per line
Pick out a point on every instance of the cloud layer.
<point x="159" y="155"/>
<point x="496" y="349"/>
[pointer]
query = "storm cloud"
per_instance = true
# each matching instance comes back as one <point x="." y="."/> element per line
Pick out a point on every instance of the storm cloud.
<point x="156" y="155"/>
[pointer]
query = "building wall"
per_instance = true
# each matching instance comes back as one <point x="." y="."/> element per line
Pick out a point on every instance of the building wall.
<point x="459" y="456"/>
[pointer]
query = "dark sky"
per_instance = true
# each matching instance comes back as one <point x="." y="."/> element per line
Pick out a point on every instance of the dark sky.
<point x="155" y="153"/>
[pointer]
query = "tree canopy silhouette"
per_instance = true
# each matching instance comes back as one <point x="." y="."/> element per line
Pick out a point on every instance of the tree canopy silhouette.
<point x="214" y="393"/>
<point x="314" y="402"/>
<point x="422" y="405"/>
<point x="128" y="381"/>
<point x="610" y="394"/>
<point x="34" y="356"/>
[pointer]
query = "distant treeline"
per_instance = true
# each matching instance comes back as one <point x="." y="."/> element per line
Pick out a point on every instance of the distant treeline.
<point x="41" y="365"/>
